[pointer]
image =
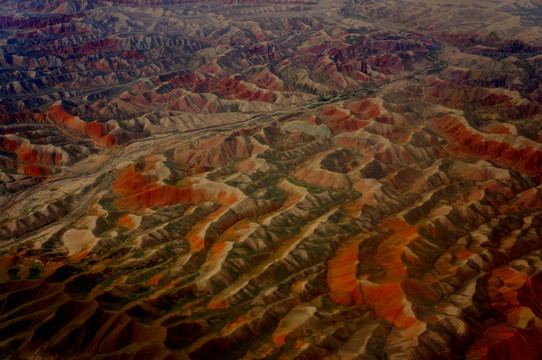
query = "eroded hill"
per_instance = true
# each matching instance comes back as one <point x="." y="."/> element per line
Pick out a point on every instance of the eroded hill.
<point x="268" y="180"/>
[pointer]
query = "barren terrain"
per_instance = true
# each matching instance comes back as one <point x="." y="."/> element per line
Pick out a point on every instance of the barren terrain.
<point x="270" y="179"/>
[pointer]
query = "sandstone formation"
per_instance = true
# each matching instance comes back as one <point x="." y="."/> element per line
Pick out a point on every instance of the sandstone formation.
<point x="270" y="180"/>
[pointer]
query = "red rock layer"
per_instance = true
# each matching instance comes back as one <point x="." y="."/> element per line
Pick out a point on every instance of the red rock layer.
<point x="467" y="141"/>
<point x="32" y="160"/>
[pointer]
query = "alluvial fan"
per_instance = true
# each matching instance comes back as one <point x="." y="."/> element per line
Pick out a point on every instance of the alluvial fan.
<point x="280" y="179"/>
